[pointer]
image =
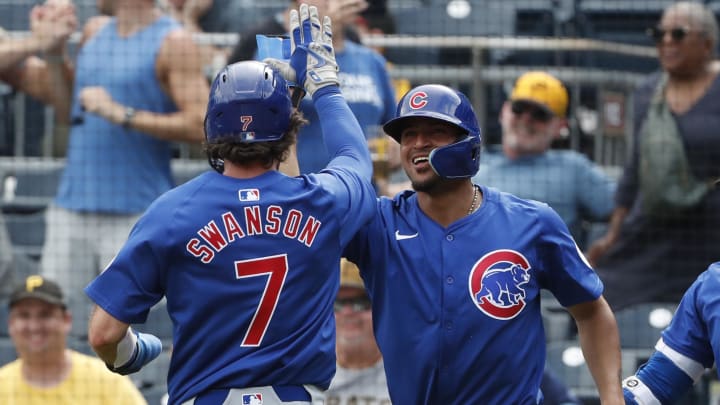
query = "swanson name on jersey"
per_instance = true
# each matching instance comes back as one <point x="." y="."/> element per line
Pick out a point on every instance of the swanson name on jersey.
<point x="215" y="236"/>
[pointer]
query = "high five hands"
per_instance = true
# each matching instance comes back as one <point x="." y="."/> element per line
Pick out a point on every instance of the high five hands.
<point x="312" y="62"/>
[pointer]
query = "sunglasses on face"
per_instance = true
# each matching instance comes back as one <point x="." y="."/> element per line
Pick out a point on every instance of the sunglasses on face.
<point x="356" y="304"/>
<point x="537" y="113"/>
<point x="677" y="34"/>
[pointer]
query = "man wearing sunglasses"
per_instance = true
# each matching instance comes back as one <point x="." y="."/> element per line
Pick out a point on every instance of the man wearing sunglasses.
<point x="360" y="376"/>
<point x="534" y="116"/>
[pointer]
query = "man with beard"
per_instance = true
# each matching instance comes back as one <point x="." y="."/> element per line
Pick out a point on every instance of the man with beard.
<point x="525" y="165"/>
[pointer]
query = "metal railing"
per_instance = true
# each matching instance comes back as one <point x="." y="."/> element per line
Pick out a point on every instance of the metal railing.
<point x="476" y="75"/>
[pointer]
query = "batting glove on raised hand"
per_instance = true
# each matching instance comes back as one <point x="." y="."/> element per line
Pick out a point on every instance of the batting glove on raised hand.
<point x="312" y="62"/>
<point x="147" y="348"/>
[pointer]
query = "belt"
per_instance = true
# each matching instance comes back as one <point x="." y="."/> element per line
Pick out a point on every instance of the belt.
<point x="286" y="393"/>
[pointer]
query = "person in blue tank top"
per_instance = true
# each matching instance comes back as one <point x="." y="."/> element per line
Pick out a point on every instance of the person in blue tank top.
<point x="246" y="256"/>
<point x="136" y="87"/>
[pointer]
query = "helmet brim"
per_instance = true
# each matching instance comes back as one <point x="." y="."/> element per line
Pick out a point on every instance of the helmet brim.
<point x="395" y="126"/>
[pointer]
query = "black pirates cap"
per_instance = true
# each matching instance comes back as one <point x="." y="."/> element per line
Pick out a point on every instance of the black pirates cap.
<point x="39" y="288"/>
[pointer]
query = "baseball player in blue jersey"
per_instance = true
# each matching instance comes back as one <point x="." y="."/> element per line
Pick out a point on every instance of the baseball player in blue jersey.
<point x="246" y="257"/>
<point x="689" y="345"/>
<point x="455" y="270"/>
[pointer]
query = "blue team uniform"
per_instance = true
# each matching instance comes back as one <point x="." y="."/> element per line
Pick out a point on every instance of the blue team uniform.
<point x="463" y="302"/>
<point x="249" y="268"/>
<point x="689" y="345"/>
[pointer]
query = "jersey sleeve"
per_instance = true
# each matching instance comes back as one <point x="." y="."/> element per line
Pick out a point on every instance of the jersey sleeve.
<point x="132" y="283"/>
<point x="565" y="271"/>
<point x="686" y="347"/>
<point x="348" y="175"/>
<point x="696" y="323"/>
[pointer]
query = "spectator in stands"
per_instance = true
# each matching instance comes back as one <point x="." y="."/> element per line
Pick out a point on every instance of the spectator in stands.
<point x="360" y="375"/>
<point x="137" y="86"/>
<point x="20" y="67"/>
<point x="189" y="13"/>
<point x="364" y="79"/>
<point x="47" y="371"/>
<point x="665" y="229"/>
<point x="524" y="165"/>
<point x="24" y="71"/>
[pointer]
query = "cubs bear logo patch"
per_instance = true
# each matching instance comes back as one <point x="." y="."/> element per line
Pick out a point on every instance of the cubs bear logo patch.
<point x="497" y="283"/>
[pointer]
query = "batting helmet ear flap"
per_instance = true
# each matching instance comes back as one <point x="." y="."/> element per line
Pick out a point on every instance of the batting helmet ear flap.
<point x="457" y="160"/>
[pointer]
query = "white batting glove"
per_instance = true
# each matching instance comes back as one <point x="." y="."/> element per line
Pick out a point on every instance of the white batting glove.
<point x="312" y="61"/>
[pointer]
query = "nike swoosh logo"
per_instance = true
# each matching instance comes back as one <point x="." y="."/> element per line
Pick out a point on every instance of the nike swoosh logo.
<point x="400" y="236"/>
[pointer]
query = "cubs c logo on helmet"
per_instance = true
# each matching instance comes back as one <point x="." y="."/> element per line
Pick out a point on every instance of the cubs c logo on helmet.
<point x="496" y="283"/>
<point x="418" y="100"/>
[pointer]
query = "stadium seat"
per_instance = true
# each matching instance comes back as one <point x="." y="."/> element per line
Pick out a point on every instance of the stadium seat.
<point x="27" y="232"/>
<point x="556" y="320"/>
<point x="24" y="265"/>
<point x="153" y="396"/>
<point x="3" y="318"/>
<point x="7" y="351"/>
<point x="81" y="309"/>
<point x="158" y="323"/>
<point x="29" y="184"/>
<point x="187" y="169"/>
<point x="640" y="325"/>
<point x="566" y="360"/>
<point x="153" y="376"/>
<point x="80" y="345"/>
<point x="617" y="21"/>
<point x="14" y="14"/>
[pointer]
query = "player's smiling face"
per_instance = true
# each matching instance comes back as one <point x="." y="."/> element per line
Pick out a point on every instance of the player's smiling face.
<point x="419" y="137"/>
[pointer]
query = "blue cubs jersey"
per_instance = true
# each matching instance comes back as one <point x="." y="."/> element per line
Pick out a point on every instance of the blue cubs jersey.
<point x="249" y="268"/>
<point x="695" y="329"/>
<point x="456" y="310"/>
<point x="688" y="346"/>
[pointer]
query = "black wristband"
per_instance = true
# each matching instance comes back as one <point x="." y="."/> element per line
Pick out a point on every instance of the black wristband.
<point x="129" y="114"/>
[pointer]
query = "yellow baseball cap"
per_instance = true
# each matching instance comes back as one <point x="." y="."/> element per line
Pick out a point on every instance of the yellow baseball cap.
<point x="544" y="89"/>
<point x="350" y="275"/>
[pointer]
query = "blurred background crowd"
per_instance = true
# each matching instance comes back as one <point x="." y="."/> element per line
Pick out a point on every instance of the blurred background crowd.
<point x="139" y="69"/>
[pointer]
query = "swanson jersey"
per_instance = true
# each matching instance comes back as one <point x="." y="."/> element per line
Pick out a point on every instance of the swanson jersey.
<point x="456" y="310"/>
<point x="249" y="268"/>
<point x="689" y="345"/>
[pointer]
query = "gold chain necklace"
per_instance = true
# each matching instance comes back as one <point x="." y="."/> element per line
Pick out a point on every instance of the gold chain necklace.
<point x="474" y="200"/>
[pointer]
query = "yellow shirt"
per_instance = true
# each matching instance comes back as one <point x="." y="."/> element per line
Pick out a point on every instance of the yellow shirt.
<point x="89" y="383"/>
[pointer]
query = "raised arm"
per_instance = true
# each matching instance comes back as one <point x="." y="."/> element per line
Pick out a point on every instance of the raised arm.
<point x="313" y="67"/>
<point x="51" y="26"/>
<point x="179" y="69"/>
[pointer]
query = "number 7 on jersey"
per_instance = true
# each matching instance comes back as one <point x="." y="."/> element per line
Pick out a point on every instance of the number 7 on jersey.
<point x="275" y="267"/>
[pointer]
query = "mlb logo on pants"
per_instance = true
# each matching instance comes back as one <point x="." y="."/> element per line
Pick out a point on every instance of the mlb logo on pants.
<point x="252" y="399"/>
